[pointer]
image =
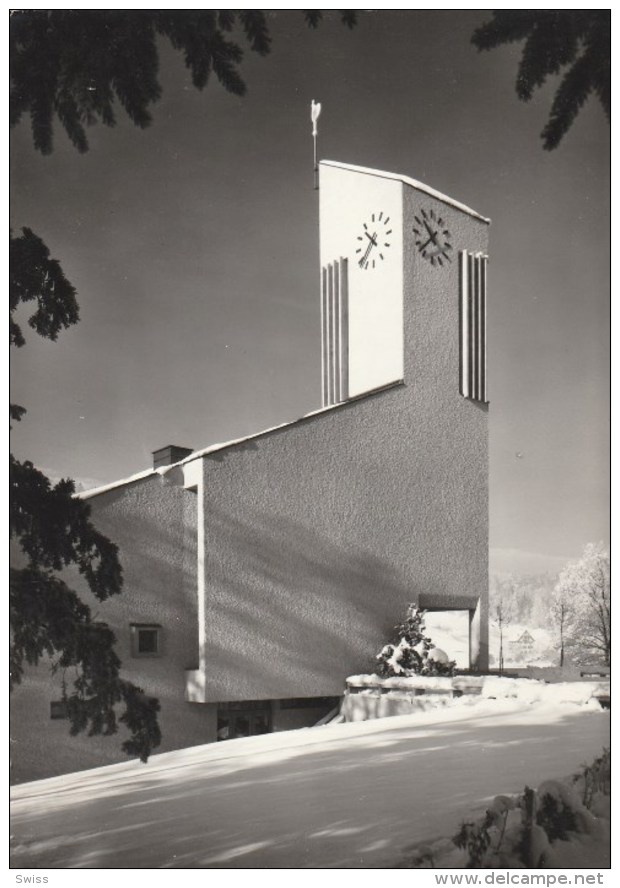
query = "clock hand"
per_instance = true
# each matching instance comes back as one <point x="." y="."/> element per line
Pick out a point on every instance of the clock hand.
<point x="373" y="243"/>
<point x="433" y="234"/>
<point x="365" y="256"/>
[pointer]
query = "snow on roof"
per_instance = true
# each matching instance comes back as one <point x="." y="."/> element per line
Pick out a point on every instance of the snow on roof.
<point x="213" y="448"/>
<point x="408" y="181"/>
<point x="95" y="491"/>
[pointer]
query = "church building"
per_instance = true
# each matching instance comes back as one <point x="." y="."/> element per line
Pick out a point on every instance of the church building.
<point x="261" y="572"/>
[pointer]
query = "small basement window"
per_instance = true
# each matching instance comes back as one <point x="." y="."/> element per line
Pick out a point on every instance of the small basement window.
<point x="145" y="640"/>
<point x="58" y="709"/>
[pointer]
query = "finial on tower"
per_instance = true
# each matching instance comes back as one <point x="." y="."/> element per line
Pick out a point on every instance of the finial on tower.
<point x="315" y="110"/>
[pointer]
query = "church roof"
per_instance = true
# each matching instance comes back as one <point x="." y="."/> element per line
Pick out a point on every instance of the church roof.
<point x="214" y="448"/>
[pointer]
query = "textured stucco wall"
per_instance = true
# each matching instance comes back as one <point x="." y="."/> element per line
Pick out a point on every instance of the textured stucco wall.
<point x="317" y="536"/>
<point x="456" y="426"/>
<point x="154" y="524"/>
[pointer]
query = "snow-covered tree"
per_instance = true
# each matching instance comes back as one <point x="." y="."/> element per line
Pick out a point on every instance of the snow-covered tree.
<point x="582" y="594"/>
<point x="563" y="615"/>
<point x="413" y="652"/>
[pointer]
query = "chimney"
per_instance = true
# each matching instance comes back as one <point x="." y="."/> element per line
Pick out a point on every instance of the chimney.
<point x="170" y="454"/>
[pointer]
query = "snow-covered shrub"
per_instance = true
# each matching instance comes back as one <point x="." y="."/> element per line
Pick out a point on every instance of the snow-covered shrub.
<point x="595" y="779"/>
<point x="413" y="652"/>
<point x="556" y="810"/>
<point x="475" y="838"/>
<point x="535" y="829"/>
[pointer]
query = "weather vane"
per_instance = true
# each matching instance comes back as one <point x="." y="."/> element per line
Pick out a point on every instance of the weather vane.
<point x="315" y="110"/>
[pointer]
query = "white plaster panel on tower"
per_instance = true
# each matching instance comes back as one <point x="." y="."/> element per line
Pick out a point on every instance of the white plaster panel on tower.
<point x="361" y="219"/>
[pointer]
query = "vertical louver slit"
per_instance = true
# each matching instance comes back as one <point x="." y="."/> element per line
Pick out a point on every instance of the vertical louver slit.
<point x="473" y="325"/>
<point x="335" y="332"/>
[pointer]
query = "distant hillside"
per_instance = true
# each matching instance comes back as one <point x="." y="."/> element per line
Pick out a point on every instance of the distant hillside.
<point x="524" y="602"/>
<point x="521" y="563"/>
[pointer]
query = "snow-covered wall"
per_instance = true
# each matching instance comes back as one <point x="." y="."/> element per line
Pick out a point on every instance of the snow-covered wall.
<point x="318" y="535"/>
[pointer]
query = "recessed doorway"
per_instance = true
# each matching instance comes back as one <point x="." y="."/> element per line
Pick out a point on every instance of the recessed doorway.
<point x="243" y="718"/>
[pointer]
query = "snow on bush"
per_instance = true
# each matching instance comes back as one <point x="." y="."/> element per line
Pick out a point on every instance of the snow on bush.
<point x="561" y="824"/>
<point x="413" y="652"/>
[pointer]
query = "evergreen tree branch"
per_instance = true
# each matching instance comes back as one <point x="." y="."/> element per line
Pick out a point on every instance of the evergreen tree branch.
<point x="551" y="44"/>
<point x="34" y="276"/>
<point x="48" y="618"/>
<point x="312" y="17"/>
<point x="348" y="17"/>
<point x="16" y="412"/>
<point x="506" y="26"/>
<point x="256" y="30"/>
<point x="569" y="99"/>
<point x="54" y="530"/>
<point x="576" y="40"/>
<point x="75" y="63"/>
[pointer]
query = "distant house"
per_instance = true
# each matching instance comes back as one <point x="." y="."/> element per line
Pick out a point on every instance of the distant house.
<point x="259" y="573"/>
<point x="523" y="646"/>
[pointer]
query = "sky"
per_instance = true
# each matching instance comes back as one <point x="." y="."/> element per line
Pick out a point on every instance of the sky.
<point x="193" y="245"/>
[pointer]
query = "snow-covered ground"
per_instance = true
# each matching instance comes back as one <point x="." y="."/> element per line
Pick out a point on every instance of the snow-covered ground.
<point x="348" y="795"/>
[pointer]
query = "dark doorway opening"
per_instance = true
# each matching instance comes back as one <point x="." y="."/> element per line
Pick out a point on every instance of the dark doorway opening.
<point x="243" y="718"/>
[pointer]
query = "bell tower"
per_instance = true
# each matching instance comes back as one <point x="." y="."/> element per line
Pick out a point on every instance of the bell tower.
<point x="386" y="241"/>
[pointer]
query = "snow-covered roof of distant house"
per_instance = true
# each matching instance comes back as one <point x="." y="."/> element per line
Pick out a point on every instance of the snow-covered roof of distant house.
<point x="214" y="448"/>
<point x="525" y="636"/>
<point x="408" y="181"/>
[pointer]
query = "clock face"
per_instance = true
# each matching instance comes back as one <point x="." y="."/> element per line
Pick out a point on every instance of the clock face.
<point x="373" y="241"/>
<point x="432" y="238"/>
